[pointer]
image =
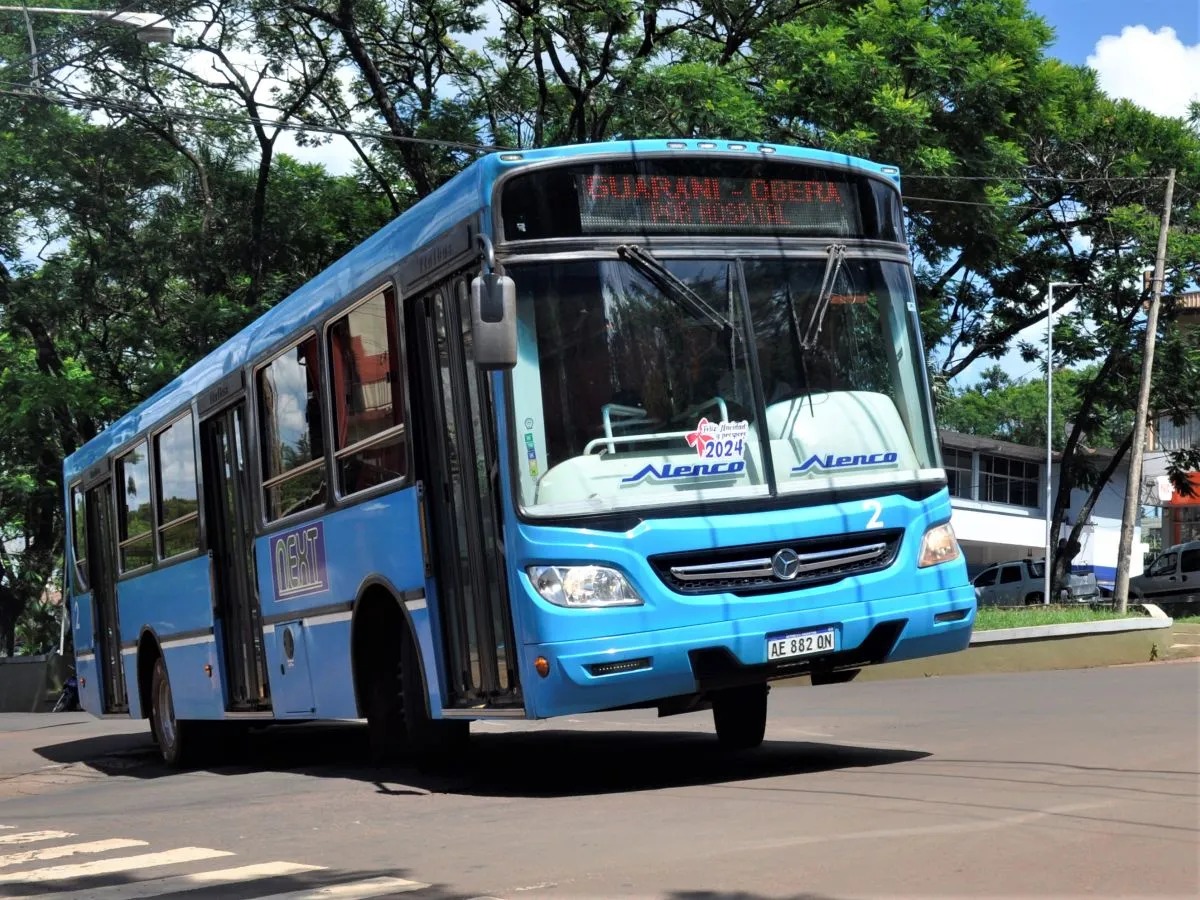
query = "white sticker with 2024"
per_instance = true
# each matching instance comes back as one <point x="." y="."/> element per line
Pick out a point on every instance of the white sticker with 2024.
<point x="723" y="441"/>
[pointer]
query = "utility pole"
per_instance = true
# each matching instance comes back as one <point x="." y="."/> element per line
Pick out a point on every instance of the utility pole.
<point x="1046" y="563"/>
<point x="1133" y="485"/>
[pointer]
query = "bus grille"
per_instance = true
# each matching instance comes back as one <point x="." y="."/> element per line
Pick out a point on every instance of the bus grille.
<point x="782" y="566"/>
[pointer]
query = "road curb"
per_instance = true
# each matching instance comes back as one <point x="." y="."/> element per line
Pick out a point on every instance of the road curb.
<point x="1042" y="648"/>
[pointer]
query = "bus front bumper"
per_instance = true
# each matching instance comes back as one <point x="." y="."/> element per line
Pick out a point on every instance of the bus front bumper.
<point x="640" y="669"/>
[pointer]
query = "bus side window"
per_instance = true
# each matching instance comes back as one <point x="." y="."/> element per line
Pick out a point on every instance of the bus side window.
<point x="178" y="505"/>
<point x="367" y="390"/>
<point x="79" y="538"/>
<point x="293" y="447"/>
<point x="134" y="523"/>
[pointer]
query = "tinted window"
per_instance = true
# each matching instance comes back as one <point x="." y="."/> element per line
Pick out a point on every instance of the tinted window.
<point x="986" y="578"/>
<point x="1011" y="481"/>
<point x="958" y="472"/>
<point x="293" y="441"/>
<point x="79" y="538"/>
<point x="1010" y="574"/>
<point x="178" y="509"/>
<point x="1164" y="565"/>
<point x="134" y="521"/>
<point x="367" y="394"/>
<point x="1190" y="561"/>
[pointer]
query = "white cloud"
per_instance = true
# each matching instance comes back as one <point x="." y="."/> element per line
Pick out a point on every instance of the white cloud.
<point x="1155" y="70"/>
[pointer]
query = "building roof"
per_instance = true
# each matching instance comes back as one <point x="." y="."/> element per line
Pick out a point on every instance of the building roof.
<point x="956" y="440"/>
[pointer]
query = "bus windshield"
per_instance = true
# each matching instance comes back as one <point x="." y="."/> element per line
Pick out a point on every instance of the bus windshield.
<point x="646" y="381"/>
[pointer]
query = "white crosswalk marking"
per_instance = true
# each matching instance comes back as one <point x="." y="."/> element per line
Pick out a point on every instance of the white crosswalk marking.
<point x="163" y="886"/>
<point x="31" y="837"/>
<point x="178" y="884"/>
<point x="106" y="866"/>
<point x="16" y="859"/>
<point x="351" y="890"/>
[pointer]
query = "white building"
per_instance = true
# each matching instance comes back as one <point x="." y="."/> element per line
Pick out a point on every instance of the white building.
<point x="998" y="492"/>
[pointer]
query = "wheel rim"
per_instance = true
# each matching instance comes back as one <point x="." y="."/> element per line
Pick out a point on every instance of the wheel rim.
<point x="166" y="715"/>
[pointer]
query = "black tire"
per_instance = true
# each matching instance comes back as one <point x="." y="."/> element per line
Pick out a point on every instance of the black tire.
<point x="431" y="741"/>
<point x="181" y="742"/>
<point x="740" y="716"/>
<point x="1033" y="599"/>
<point x="386" y="732"/>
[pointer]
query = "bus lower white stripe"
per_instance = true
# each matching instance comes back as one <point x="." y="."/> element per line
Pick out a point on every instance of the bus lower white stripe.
<point x="329" y="618"/>
<point x="351" y="890"/>
<point x="157" y="887"/>
<point x="107" y="866"/>
<point x="30" y="837"/>
<point x="129" y="651"/>
<point x="15" y="859"/>
<point x="187" y="642"/>
<point x="415" y="605"/>
<point x="85" y="657"/>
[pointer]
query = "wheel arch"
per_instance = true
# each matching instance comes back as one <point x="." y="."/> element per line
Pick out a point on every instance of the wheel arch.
<point x="380" y="613"/>
<point x="149" y="649"/>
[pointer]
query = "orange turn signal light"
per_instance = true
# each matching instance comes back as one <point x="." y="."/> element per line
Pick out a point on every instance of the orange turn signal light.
<point x="542" y="665"/>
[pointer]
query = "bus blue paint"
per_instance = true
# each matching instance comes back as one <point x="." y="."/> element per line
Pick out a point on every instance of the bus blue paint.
<point x="338" y="585"/>
<point x="171" y="600"/>
<point x="197" y="694"/>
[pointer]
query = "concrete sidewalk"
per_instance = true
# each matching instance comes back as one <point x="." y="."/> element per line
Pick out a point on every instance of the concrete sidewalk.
<point x="1185" y="640"/>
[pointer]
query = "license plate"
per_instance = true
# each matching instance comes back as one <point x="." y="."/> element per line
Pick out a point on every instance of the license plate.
<point x="802" y="643"/>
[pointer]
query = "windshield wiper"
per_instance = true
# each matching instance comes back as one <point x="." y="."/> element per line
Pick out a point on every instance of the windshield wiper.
<point x="671" y="285"/>
<point x="835" y="255"/>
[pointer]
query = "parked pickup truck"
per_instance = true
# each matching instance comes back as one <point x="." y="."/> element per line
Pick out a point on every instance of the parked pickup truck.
<point x="1023" y="582"/>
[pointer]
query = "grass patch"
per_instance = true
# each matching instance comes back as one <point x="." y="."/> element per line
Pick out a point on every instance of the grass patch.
<point x="991" y="617"/>
<point x="1189" y="620"/>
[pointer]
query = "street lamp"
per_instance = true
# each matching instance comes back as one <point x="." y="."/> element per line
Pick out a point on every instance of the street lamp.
<point x="1049" y="422"/>
<point x="150" y="28"/>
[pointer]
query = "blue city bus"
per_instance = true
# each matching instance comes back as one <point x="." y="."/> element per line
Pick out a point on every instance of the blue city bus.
<point x="639" y="424"/>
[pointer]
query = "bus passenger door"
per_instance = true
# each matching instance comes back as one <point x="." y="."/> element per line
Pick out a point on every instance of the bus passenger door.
<point x="456" y="447"/>
<point x="101" y="541"/>
<point x="230" y="531"/>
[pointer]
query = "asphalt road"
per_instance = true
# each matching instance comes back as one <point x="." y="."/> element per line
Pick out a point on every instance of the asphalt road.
<point x="1035" y="785"/>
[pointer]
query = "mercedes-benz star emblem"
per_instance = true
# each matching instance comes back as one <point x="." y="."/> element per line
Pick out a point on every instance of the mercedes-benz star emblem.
<point x="785" y="564"/>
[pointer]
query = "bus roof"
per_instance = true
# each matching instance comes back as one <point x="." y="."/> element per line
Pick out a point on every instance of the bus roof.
<point x="463" y="195"/>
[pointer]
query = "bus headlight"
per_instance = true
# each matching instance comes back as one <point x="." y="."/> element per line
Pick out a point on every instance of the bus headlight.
<point x="583" y="586"/>
<point x="938" y="546"/>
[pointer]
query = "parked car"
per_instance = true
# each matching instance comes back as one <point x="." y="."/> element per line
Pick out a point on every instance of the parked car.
<point x="1174" y="572"/>
<point x="1023" y="582"/>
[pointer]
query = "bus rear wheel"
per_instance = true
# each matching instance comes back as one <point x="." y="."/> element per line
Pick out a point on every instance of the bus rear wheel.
<point x="740" y="716"/>
<point x="178" y="741"/>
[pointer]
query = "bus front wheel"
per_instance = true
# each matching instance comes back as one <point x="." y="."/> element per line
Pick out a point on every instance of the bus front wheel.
<point x="740" y="716"/>
<point x="385" y="711"/>
<point x="430" y="740"/>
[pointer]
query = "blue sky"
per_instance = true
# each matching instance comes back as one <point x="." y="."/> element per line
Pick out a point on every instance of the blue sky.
<point x="1148" y="52"/>
<point x="1081" y="23"/>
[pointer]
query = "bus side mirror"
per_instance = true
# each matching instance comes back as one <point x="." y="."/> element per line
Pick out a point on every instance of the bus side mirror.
<point x="494" y="321"/>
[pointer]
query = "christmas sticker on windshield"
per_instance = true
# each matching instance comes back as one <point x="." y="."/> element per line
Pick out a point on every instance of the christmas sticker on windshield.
<point x="719" y="440"/>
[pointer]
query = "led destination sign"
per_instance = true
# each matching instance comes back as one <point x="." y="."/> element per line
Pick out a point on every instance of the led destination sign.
<point x="699" y="195"/>
<point x="615" y="203"/>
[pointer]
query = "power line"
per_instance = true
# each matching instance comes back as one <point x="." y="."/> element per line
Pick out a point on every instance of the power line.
<point x="1005" y="207"/>
<point x="1053" y="178"/>
<point x="108" y="104"/>
<point x="86" y="31"/>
